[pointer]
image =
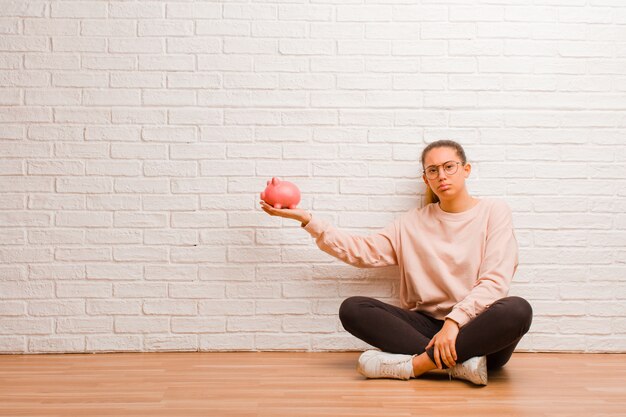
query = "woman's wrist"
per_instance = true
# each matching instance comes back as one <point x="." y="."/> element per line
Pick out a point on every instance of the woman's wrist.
<point x="306" y="219"/>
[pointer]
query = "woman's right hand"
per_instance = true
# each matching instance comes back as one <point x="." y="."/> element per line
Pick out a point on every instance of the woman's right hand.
<point x="302" y="216"/>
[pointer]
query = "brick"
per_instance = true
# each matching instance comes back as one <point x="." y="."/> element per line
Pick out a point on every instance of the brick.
<point x="80" y="115"/>
<point x="226" y="27"/>
<point x="13" y="272"/>
<point x="194" y="11"/>
<point x="138" y="325"/>
<point x="113" y="343"/>
<point x="198" y="219"/>
<point x="312" y="325"/>
<point x="56" y="272"/>
<point x="63" y="97"/>
<point x="13" y="237"/>
<point x="23" y="79"/>
<point x="109" y="62"/>
<point x="226" y="342"/>
<point x="55" y="236"/>
<point x="195" y="45"/>
<point x="154" y="27"/>
<point x="54" y="61"/>
<point x="26" y="326"/>
<point x="82" y="254"/>
<point x="170" y="237"/>
<point x="170" y="168"/>
<point x="198" y="325"/>
<point x="259" y="117"/>
<point x="23" y="44"/>
<point x="171" y="272"/>
<point x="173" y="343"/>
<point x="215" y="62"/>
<point x="138" y="80"/>
<point x="193" y="81"/>
<point x="56" y="344"/>
<point x="21" y="290"/>
<point x="25" y="114"/>
<point x="83" y="185"/>
<point x="138" y="151"/>
<point x="282" y="342"/>
<point x="196" y="291"/>
<point x="23" y="255"/>
<point x="78" y="44"/>
<point x="114" y="202"/>
<point x="169" y="97"/>
<point x="169" y="307"/>
<point x="113" y="236"/>
<point x="56" y="308"/>
<point x="129" y="290"/>
<point x="83" y="219"/>
<point x="109" y="27"/>
<point x="114" y="271"/>
<point x="226" y="273"/>
<point x="167" y="203"/>
<point x="226" y="308"/>
<point x="138" y="253"/>
<point x="200" y="185"/>
<point x="113" y="168"/>
<point x="172" y="62"/>
<point x="111" y="97"/>
<point x="137" y="10"/>
<point x="251" y="11"/>
<point x="258" y="324"/>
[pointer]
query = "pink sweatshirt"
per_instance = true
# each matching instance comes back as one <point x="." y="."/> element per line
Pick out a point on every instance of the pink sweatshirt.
<point x="452" y="265"/>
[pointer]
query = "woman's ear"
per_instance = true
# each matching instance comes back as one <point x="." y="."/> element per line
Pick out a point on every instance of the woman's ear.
<point x="468" y="169"/>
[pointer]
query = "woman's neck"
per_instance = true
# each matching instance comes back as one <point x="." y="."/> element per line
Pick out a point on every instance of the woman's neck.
<point x="459" y="204"/>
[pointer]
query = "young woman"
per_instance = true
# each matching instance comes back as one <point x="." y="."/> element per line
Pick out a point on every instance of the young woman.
<point x="457" y="256"/>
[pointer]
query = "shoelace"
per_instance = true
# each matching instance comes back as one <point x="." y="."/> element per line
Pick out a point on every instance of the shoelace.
<point x="389" y="368"/>
<point x="458" y="370"/>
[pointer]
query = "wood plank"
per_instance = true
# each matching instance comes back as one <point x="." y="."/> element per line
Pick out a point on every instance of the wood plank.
<point x="274" y="384"/>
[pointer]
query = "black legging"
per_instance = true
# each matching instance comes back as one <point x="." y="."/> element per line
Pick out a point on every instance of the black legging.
<point x="494" y="333"/>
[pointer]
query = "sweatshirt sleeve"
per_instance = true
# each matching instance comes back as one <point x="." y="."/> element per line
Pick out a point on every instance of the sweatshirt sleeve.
<point x="500" y="261"/>
<point x="375" y="250"/>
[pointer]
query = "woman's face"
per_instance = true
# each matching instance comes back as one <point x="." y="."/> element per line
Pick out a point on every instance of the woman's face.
<point x="446" y="186"/>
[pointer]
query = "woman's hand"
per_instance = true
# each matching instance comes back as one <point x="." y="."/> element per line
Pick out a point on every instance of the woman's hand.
<point x="444" y="342"/>
<point x="302" y="216"/>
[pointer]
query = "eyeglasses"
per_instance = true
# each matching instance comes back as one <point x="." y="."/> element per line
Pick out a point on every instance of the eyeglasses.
<point x="450" y="168"/>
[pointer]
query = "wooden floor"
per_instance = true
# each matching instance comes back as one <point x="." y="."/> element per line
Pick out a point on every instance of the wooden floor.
<point x="298" y="384"/>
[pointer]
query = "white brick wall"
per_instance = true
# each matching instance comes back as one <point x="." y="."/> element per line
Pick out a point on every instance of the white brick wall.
<point x="135" y="138"/>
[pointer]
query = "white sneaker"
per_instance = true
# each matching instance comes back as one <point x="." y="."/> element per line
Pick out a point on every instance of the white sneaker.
<point x="473" y="370"/>
<point x="377" y="364"/>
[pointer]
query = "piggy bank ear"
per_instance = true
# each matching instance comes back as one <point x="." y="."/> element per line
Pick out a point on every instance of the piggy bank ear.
<point x="275" y="181"/>
<point x="268" y="182"/>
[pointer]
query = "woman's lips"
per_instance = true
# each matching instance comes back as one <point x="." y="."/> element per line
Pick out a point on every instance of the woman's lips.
<point x="444" y="187"/>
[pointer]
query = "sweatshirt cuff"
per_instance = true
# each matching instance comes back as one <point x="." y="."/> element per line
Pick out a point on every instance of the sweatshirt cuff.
<point x="315" y="226"/>
<point x="459" y="316"/>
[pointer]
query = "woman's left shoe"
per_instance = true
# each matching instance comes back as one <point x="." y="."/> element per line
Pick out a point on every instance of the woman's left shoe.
<point x="377" y="364"/>
<point x="473" y="370"/>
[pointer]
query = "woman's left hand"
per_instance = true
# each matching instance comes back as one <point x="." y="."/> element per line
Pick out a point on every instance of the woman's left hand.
<point x="444" y="342"/>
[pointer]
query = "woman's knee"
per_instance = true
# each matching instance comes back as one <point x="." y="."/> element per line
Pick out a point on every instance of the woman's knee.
<point x="349" y="309"/>
<point x="519" y="311"/>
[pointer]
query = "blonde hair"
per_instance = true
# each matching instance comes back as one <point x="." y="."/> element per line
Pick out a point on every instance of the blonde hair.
<point x="430" y="196"/>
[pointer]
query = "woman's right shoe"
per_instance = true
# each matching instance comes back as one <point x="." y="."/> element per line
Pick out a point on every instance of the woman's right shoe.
<point x="377" y="364"/>
<point x="473" y="370"/>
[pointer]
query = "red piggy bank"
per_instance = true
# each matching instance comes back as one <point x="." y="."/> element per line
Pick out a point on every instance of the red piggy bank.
<point x="281" y="194"/>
